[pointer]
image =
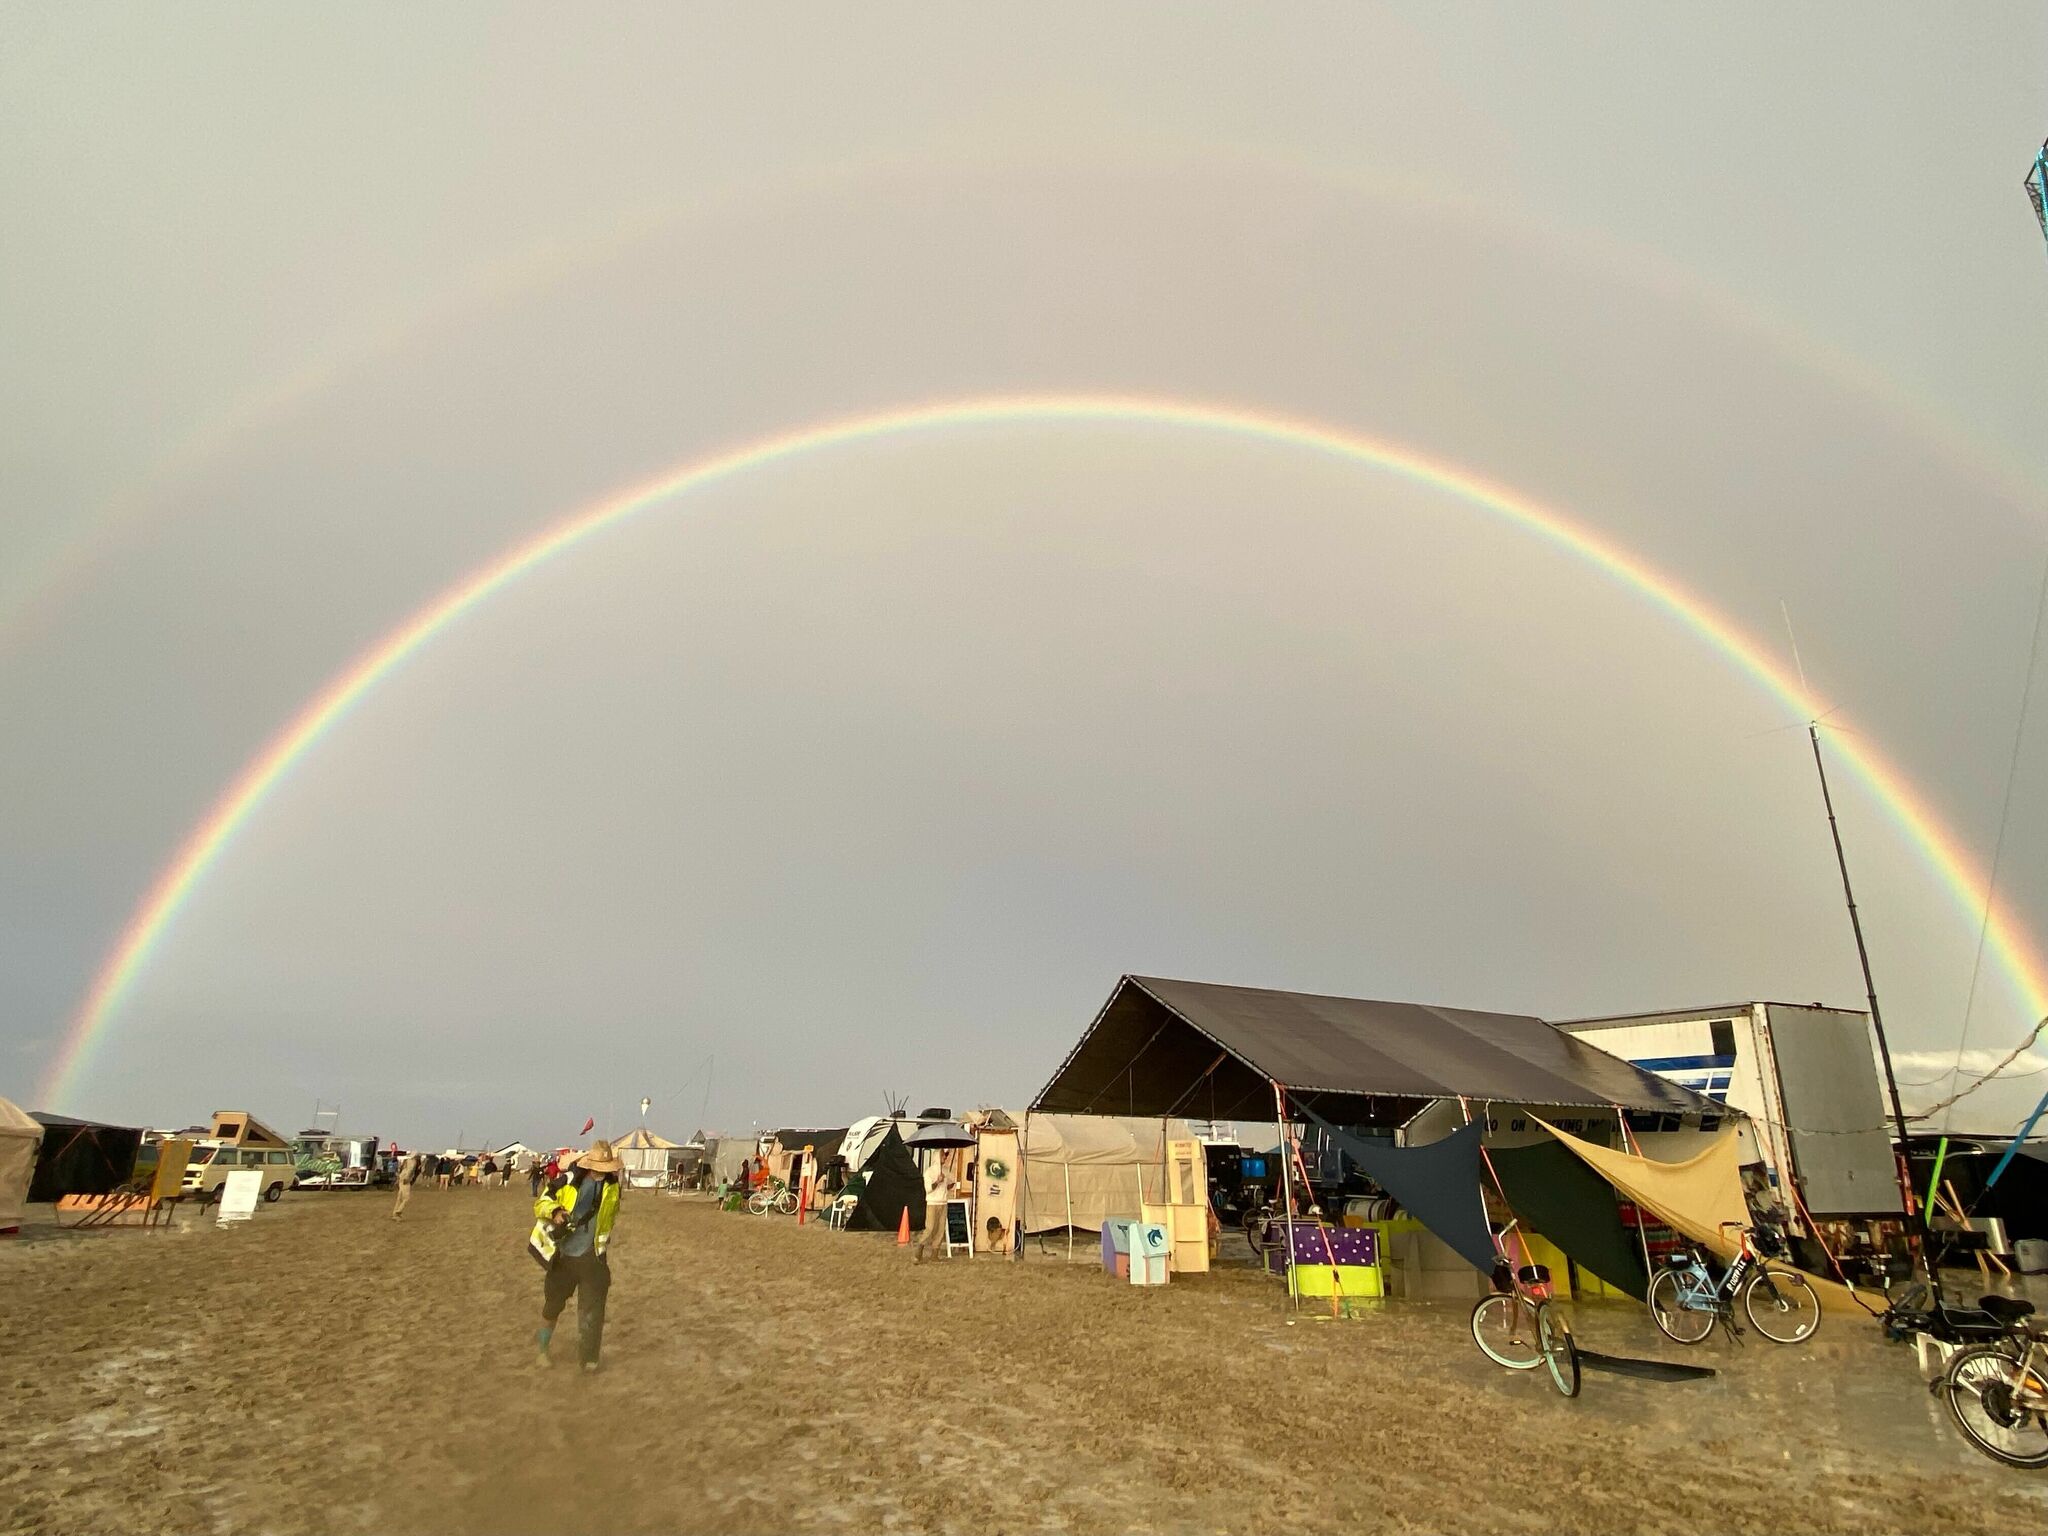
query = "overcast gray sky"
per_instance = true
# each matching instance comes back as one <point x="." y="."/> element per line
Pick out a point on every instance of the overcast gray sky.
<point x="869" y="773"/>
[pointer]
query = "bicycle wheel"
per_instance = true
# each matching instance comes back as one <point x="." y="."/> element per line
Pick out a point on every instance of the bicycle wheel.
<point x="1782" y="1305"/>
<point x="786" y="1202"/>
<point x="1679" y="1323"/>
<point x="1560" y="1354"/>
<point x="1255" y="1227"/>
<point x="1982" y="1387"/>
<point x="1504" y="1332"/>
<point x="759" y="1201"/>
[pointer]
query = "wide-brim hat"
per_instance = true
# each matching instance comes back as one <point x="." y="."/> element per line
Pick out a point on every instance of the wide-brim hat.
<point x="598" y="1157"/>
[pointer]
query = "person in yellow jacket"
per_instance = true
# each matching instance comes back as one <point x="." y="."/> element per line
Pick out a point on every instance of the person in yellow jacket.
<point x="572" y="1229"/>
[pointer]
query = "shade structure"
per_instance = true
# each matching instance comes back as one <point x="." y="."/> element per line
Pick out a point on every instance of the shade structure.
<point x="1557" y="1195"/>
<point x="1080" y="1171"/>
<point x="1700" y="1198"/>
<point x="1166" y="1047"/>
<point x="82" y="1157"/>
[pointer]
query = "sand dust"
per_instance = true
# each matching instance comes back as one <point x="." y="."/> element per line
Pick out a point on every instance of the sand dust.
<point x="324" y="1369"/>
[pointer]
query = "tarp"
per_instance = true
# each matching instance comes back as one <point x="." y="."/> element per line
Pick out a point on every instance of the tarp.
<point x="1161" y="1047"/>
<point x="1439" y="1185"/>
<point x="893" y="1186"/>
<point x="1558" y="1196"/>
<point x="1695" y="1198"/>
<point x="1083" y="1170"/>
<point x="20" y="1136"/>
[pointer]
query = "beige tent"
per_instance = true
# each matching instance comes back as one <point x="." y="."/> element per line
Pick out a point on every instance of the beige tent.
<point x="1082" y="1170"/>
<point x="1701" y="1198"/>
<point x="20" y="1137"/>
<point x="644" y="1157"/>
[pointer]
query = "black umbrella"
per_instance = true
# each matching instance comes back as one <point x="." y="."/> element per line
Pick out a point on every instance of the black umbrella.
<point x="942" y="1133"/>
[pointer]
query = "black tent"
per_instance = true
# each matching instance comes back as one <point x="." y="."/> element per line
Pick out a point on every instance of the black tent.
<point x="82" y="1157"/>
<point x="893" y="1186"/>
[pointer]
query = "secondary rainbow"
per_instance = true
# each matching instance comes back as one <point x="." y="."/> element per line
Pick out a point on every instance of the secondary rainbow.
<point x="206" y="843"/>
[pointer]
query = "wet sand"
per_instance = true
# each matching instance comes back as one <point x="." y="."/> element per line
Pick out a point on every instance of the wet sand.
<point x="325" y="1369"/>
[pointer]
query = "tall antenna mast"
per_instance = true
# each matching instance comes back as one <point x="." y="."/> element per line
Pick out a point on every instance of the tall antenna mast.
<point x="1916" y="1218"/>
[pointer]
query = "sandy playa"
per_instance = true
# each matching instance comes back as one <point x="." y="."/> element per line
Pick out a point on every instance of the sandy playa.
<point x="326" y="1370"/>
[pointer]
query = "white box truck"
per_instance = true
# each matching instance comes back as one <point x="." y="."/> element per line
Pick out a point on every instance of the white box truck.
<point x="1806" y="1076"/>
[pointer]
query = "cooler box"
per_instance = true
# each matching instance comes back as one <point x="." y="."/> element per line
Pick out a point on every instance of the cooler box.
<point x="1149" y="1252"/>
<point x="1116" y="1247"/>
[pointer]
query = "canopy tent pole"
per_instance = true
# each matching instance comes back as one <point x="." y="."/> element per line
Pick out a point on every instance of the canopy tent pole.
<point x="1287" y="1185"/>
<point x="1499" y="1247"/>
<point x="1067" y="1176"/>
<point x="1628" y="1144"/>
<point x="1023" y="1191"/>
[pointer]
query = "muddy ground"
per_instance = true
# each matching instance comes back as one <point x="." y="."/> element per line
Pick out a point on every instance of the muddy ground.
<point x="325" y="1369"/>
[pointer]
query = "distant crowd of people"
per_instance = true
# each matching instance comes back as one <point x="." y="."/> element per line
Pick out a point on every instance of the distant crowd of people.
<point x="485" y="1171"/>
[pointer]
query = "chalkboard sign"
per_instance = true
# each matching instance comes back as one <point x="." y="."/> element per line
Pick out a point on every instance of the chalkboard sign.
<point x="959" y="1232"/>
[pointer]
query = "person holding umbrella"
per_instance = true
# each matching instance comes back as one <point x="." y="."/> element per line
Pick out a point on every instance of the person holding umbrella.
<point x="933" y="1142"/>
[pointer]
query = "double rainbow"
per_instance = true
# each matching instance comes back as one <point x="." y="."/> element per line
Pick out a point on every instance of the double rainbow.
<point x="206" y="843"/>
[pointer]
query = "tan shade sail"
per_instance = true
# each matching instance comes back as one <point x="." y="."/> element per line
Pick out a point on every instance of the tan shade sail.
<point x="1694" y="1198"/>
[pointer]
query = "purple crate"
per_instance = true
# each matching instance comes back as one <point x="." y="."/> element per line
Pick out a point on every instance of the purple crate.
<point x="1345" y="1245"/>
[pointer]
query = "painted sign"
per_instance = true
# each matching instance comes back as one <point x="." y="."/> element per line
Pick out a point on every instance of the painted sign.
<point x="239" y="1194"/>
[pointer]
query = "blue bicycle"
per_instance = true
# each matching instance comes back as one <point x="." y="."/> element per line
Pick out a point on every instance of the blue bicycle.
<point x="1686" y="1300"/>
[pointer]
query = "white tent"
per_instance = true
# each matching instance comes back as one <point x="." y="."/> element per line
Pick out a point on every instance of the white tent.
<point x="1082" y="1170"/>
<point x="20" y="1139"/>
<point x="645" y="1157"/>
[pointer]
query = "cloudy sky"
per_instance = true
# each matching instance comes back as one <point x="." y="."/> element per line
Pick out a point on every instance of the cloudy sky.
<point x="867" y="772"/>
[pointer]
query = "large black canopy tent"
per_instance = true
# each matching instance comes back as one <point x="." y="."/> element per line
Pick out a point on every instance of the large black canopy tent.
<point x="82" y="1157"/>
<point x="1163" y="1047"/>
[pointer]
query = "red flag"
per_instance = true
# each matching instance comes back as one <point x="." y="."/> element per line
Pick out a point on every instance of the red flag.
<point x="587" y="1125"/>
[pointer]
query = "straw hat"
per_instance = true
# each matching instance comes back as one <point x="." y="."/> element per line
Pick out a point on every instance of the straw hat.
<point x="598" y="1157"/>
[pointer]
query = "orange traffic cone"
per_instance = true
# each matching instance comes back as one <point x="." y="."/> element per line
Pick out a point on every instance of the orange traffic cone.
<point x="903" y="1229"/>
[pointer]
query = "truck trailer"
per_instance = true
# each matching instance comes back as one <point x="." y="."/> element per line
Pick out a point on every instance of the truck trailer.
<point x="1806" y="1077"/>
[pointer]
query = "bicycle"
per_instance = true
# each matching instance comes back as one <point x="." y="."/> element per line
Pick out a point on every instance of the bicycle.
<point x="1518" y="1327"/>
<point x="1686" y="1301"/>
<point x="1998" y="1392"/>
<point x="775" y="1196"/>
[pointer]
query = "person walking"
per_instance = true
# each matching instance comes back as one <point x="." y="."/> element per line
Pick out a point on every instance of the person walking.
<point x="938" y="1185"/>
<point x="578" y="1219"/>
<point x="408" y="1175"/>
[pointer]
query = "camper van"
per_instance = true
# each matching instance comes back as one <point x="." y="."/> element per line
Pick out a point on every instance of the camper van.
<point x="213" y="1160"/>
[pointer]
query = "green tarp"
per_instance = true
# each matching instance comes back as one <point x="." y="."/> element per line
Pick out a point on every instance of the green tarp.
<point x="1555" y="1195"/>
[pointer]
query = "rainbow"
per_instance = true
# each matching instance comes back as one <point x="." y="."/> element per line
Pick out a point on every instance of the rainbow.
<point x="210" y="839"/>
